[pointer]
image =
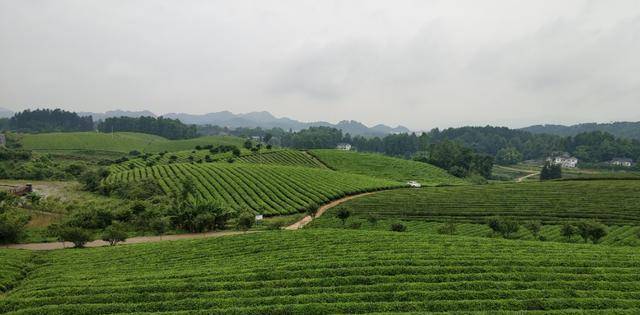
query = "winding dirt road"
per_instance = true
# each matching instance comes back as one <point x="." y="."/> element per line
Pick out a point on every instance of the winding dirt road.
<point x="304" y="221"/>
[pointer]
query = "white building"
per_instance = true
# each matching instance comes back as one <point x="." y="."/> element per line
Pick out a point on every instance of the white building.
<point x="3" y="140"/>
<point x="343" y="146"/>
<point x="414" y="184"/>
<point x="563" y="160"/>
<point x="621" y="162"/>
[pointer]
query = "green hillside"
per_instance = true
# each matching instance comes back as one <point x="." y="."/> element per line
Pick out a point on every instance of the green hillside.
<point x="608" y="201"/>
<point x="272" y="157"/>
<point x="331" y="271"/>
<point x="381" y="166"/>
<point x="118" y="142"/>
<point x="267" y="189"/>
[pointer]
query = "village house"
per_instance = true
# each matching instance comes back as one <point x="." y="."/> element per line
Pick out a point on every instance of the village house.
<point x="564" y="160"/>
<point x="343" y="146"/>
<point x="621" y="162"/>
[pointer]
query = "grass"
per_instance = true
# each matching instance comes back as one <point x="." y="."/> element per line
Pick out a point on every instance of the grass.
<point x="380" y="166"/>
<point x="265" y="189"/>
<point x="331" y="271"/>
<point x="123" y="142"/>
<point x="608" y="201"/>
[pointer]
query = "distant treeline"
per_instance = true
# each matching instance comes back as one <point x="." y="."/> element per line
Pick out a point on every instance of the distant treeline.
<point x="164" y="127"/>
<point x="48" y="120"/>
<point x="630" y="130"/>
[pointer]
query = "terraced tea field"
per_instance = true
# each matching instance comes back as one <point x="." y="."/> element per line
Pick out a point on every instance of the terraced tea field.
<point x="283" y="157"/>
<point x="377" y="165"/>
<point x="118" y="142"/>
<point x="613" y="202"/>
<point x="350" y="272"/>
<point x="275" y="156"/>
<point x="266" y="189"/>
<point x="13" y="266"/>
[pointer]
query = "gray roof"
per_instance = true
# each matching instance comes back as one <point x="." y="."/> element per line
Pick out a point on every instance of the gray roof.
<point x="622" y="160"/>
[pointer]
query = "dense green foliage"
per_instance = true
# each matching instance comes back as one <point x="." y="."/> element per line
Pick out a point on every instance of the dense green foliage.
<point x="550" y="171"/>
<point x="313" y="138"/>
<point x="47" y="120"/>
<point x="457" y="159"/>
<point x="164" y="127"/>
<point x="266" y="189"/>
<point x="608" y="201"/>
<point x="629" y="130"/>
<point x="123" y="142"/>
<point x="351" y="272"/>
<point x="15" y="263"/>
<point x="381" y="166"/>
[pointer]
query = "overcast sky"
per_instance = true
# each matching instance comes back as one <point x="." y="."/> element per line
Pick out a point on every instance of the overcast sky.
<point x="421" y="64"/>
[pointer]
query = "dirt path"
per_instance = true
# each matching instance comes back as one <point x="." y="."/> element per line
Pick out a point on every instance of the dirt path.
<point x="520" y="179"/>
<point x="304" y="221"/>
<point x="133" y="240"/>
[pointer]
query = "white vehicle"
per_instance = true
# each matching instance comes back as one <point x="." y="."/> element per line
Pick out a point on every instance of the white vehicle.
<point x="414" y="184"/>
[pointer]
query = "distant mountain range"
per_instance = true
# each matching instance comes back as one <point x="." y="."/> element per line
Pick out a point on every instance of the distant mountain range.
<point x="5" y="113"/>
<point x="630" y="130"/>
<point x="262" y="119"/>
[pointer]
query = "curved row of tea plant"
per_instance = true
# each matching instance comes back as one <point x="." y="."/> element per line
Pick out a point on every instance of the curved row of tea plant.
<point x="321" y="271"/>
<point x="187" y="156"/>
<point x="13" y="267"/>
<point x="283" y="157"/>
<point x="381" y="166"/>
<point x="618" y="235"/>
<point x="608" y="201"/>
<point x="266" y="189"/>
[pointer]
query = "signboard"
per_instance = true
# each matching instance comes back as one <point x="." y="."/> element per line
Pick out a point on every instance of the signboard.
<point x="259" y="217"/>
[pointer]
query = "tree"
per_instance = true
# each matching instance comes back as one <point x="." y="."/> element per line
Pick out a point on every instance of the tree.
<point x="398" y="227"/>
<point x="568" y="230"/>
<point x="78" y="236"/>
<point x="504" y="227"/>
<point x="592" y="230"/>
<point x="12" y="223"/>
<point x="447" y="228"/>
<point x="248" y="144"/>
<point x="246" y="220"/>
<point x="343" y="214"/>
<point x="550" y="171"/>
<point x="372" y="218"/>
<point x="164" y="127"/>
<point x="92" y="179"/>
<point x="534" y="227"/>
<point x="508" y="156"/>
<point x="114" y="234"/>
<point x="312" y="209"/>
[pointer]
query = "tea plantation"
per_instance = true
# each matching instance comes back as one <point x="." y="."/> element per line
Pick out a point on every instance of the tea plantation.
<point x="608" y="201"/>
<point x="377" y="165"/>
<point x="266" y="189"/>
<point x="331" y="271"/>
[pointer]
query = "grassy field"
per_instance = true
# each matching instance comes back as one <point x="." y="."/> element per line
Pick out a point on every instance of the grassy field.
<point x="267" y="189"/>
<point x="381" y="166"/>
<point x="330" y="271"/>
<point x="609" y="201"/>
<point x="117" y="142"/>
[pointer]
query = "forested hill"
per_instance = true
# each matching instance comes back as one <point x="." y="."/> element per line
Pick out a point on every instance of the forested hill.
<point x="630" y="130"/>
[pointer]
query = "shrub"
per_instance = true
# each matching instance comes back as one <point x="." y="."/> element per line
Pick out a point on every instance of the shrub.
<point x="312" y="209"/>
<point x="398" y="227"/>
<point x="114" y="234"/>
<point x="92" y="179"/>
<point x="355" y="225"/>
<point x="12" y="223"/>
<point x="78" y="236"/>
<point x="134" y="153"/>
<point x="592" y="230"/>
<point x="343" y="214"/>
<point x="246" y="220"/>
<point x="275" y="225"/>
<point x="448" y="228"/>
<point x="504" y="227"/>
<point x="568" y="231"/>
<point x="550" y="171"/>
<point x="372" y="219"/>
<point x="534" y="227"/>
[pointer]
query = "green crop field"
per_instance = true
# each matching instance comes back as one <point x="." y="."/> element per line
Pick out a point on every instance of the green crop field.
<point x="381" y="166"/>
<point x="608" y="201"/>
<point x="118" y="142"/>
<point x="283" y="157"/>
<point x="274" y="156"/>
<point x="267" y="189"/>
<point x="13" y="266"/>
<point x="331" y="271"/>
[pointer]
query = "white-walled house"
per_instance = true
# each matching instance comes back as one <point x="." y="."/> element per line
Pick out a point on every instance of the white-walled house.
<point x="621" y="162"/>
<point x="343" y="146"/>
<point x="564" y="160"/>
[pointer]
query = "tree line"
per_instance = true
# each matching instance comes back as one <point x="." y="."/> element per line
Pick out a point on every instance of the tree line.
<point x="164" y="127"/>
<point x="48" y="120"/>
